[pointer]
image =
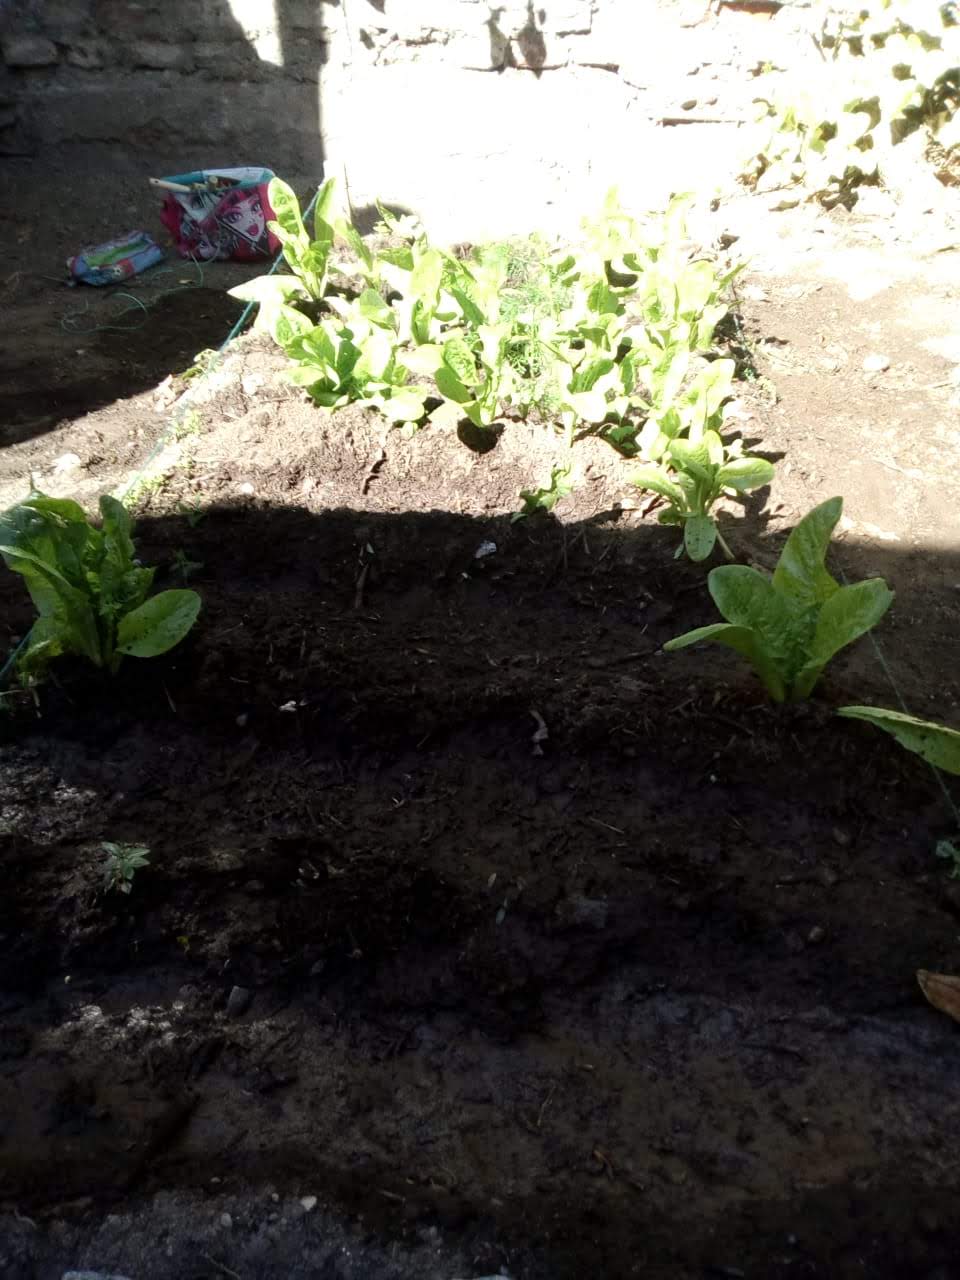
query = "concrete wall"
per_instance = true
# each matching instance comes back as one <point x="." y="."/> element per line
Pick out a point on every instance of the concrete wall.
<point x="484" y="116"/>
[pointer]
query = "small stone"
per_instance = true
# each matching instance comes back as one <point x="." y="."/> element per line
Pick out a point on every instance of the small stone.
<point x="876" y="364"/>
<point x="309" y="1203"/>
<point x="238" y="1002"/>
<point x="226" y="1220"/>
<point x="816" y="934"/>
<point x="841" y="837"/>
<point x="246" y="488"/>
<point x="29" y="51"/>
<point x="67" y="462"/>
<point x="688" y="105"/>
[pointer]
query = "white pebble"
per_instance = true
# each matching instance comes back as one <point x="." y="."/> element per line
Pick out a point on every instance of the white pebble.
<point x="876" y="364"/>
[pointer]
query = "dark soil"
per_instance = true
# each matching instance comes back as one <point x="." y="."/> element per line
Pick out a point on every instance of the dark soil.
<point x="469" y="911"/>
<point x="633" y="998"/>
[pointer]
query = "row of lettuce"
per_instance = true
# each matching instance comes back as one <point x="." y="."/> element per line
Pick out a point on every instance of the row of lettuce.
<point x="613" y="338"/>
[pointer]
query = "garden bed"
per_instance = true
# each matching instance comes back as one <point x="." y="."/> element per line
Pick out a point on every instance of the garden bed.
<point x="581" y="956"/>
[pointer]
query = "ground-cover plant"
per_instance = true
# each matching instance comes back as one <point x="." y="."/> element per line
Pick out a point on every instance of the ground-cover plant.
<point x="92" y="596"/>
<point x="597" y="336"/>
<point x="937" y="744"/>
<point x="121" y="864"/>
<point x="698" y="474"/>
<point x="791" y="625"/>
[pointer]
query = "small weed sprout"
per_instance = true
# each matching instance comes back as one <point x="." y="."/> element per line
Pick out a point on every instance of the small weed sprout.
<point x="121" y="864"/>
<point x="183" y="566"/>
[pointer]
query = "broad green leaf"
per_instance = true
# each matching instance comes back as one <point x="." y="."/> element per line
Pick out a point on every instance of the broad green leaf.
<point x="286" y="208"/>
<point x="589" y="405"/>
<point x="472" y="313"/>
<point x="426" y="277"/>
<point x="68" y="608"/>
<point x="699" y="536"/>
<point x="801" y="571"/>
<point x="480" y="412"/>
<point x="658" y="481"/>
<point x="309" y="374"/>
<point x="589" y="374"/>
<point x="376" y="353"/>
<point x="288" y="324"/>
<point x="743" y="641"/>
<point x="934" y="742"/>
<point x="269" y="289"/>
<point x="325" y="212"/>
<point x="743" y="474"/>
<point x="405" y="404"/>
<point x="847" y="615"/>
<point x="459" y="358"/>
<point x="713" y="385"/>
<point x="696" y="286"/>
<point x="693" y="458"/>
<point x="372" y="305"/>
<point x="782" y="630"/>
<point x="450" y="386"/>
<point x="547" y="497"/>
<point x="160" y="623"/>
<point x="492" y="338"/>
<point x="424" y="359"/>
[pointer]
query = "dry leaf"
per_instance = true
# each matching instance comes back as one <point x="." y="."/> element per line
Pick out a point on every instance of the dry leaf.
<point x="942" y="990"/>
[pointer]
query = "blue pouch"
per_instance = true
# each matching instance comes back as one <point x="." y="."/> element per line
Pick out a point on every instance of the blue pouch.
<point x="115" y="260"/>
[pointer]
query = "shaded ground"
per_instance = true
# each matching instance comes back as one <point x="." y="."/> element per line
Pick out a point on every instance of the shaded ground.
<point x="636" y="998"/>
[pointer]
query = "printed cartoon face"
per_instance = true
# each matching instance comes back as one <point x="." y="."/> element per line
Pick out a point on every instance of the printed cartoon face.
<point x="245" y="217"/>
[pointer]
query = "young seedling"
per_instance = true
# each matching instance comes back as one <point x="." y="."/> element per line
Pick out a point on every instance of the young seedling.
<point x="698" y="475"/>
<point x="121" y="864"/>
<point x="184" y="566"/>
<point x="790" y="626"/>
<point x="90" y="593"/>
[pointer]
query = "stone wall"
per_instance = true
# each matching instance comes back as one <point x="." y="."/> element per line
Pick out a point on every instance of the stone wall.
<point x="484" y="116"/>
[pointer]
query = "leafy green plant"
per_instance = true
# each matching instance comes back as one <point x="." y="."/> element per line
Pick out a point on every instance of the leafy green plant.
<point x="337" y="364"/>
<point x="547" y="496"/>
<point x="937" y="744"/>
<point x="121" y="864"/>
<point x="311" y="259"/>
<point x="697" y="476"/>
<point x="92" y="597"/>
<point x="791" y="625"/>
<point x="184" y="566"/>
<point x="891" y="67"/>
<point x="596" y="337"/>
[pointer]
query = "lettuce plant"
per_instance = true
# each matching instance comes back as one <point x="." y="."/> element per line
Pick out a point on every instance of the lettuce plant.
<point x="92" y="597"/>
<point x="936" y="743"/>
<point x="339" y="364"/>
<point x="791" y="625"/>
<point x="697" y="476"/>
<point x="311" y="259"/>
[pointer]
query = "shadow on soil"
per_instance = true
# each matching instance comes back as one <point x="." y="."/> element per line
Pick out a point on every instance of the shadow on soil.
<point x="471" y="909"/>
<point x="65" y="353"/>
